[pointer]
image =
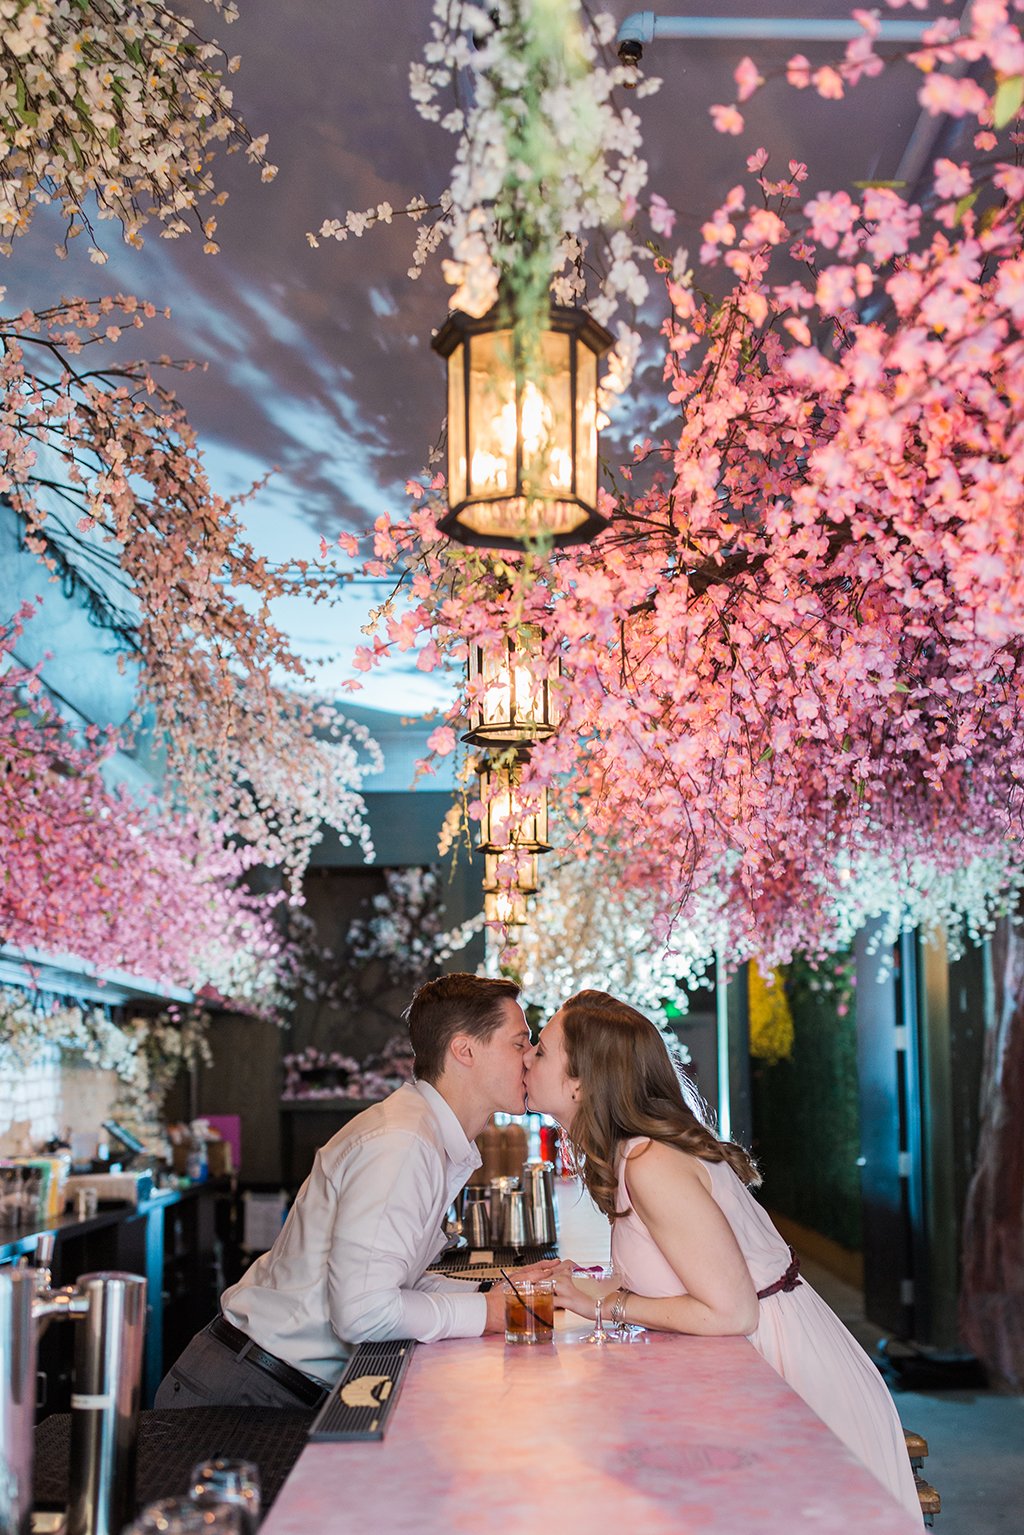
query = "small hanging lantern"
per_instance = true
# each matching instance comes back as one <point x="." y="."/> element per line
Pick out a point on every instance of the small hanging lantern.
<point x="508" y="879"/>
<point x="511" y="871"/>
<point x="514" y="819"/>
<point x="516" y="705"/>
<point x="505" y="908"/>
<point x="522" y="443"/>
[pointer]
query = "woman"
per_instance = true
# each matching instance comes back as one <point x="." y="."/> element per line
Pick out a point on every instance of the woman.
<point x="696" y="1252"/>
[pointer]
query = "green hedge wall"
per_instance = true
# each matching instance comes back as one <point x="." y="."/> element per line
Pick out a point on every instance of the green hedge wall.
<point x="805" y="1114"/>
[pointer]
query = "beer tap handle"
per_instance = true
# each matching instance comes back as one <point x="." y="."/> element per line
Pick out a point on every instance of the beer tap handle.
<point x="44" y="1258"/>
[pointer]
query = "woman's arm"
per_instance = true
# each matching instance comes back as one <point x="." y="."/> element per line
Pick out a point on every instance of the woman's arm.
<point x="671" y="1193"/>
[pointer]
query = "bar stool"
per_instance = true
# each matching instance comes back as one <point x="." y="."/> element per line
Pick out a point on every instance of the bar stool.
<point x="917" y="1449"/>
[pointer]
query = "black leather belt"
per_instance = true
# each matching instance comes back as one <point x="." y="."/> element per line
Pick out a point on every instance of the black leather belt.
<point x="308" y="1391"/>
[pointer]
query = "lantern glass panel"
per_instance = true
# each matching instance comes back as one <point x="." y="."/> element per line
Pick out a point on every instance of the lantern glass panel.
<point x="493" y="425"/>
<point x="507" y="823"/>
<point x="511" y="871"/>
<point x="515" y="704"/>
<point x="586" y="425"/>
<point x="506" y="908"/>
<point x="545" y="413"/>
<point x="457" y="423"/>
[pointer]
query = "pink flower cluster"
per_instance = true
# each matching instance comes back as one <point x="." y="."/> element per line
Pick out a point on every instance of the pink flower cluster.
<point x="797" y="654"/>
<point x="102" y="464"/>
<point x="90" y="872"/>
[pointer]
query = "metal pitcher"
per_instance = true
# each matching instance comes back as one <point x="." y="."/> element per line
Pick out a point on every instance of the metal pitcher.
<point x="539" y="1187"/>
<point x="500" y="1189"/>
<point x="517" y="1231"/>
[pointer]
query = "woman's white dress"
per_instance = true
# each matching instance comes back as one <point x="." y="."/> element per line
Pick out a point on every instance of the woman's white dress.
<point x="797" y="1333"/>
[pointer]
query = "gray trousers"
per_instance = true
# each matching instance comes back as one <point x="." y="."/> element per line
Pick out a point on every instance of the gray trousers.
<point x="208" y="1374"/>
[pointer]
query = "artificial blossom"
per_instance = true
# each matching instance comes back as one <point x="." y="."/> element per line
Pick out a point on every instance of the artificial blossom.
<point x="791" y="667"/>
<point x="547" y="168"/>
<point x="144" y="1054"/>
<point x="120" y="884"/>
<point x="404" y="927"/>
<point x="114" y="112"/>
<point x="103" y="467"/>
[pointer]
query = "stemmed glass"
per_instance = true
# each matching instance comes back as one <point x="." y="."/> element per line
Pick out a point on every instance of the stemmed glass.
<point x="180" y="1516"/>
<point x="598" y="1282"/>
<point x="235" y="1482"/>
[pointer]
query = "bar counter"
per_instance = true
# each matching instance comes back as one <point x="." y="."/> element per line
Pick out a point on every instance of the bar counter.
<point x="665" y="1436"/>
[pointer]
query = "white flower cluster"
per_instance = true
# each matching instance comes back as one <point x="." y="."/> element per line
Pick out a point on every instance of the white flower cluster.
<point x="118" y="103"/>
<point x="547" y="162"/>
<point x="405" y="928"/>
<point x="145" y="1054"/>
<point x="584" y="933"/>
<point x="547" y="167"/>
<point x="962" y="904"/>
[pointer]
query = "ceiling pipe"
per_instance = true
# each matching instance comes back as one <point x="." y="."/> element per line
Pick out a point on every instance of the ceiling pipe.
<point x="644" y="26"/>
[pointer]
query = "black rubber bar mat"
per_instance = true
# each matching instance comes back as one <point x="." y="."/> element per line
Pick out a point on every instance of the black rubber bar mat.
<point x="172" y="1441"/>
<point x="460" y="1262"/>
<point x="364" y="1398"/>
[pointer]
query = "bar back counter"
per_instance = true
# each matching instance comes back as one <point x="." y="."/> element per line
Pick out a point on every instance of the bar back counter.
<point x="168" y="1238"/>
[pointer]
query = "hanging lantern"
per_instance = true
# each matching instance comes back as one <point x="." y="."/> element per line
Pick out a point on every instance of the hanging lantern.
<point x="513" y="819"/>
<point x="508" y="879"/>
<point x="522" y="446"/>
<point x="511" y="871"/>
<point x="505" y="908"/>
<point x="516" y="705"/>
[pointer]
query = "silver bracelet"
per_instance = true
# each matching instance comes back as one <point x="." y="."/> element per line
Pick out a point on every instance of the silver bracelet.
<point x="619" y="1306"/>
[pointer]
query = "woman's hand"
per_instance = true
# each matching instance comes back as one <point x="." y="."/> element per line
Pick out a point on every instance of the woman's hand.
<point x="544" y="1268"/>
<point x="566" y="1293"/>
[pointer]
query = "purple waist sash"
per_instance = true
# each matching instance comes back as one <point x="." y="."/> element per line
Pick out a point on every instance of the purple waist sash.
<point x="789" y="1280"/>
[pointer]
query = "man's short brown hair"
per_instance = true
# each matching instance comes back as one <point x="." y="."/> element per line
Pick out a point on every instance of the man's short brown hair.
<point x="453" y="1004"/>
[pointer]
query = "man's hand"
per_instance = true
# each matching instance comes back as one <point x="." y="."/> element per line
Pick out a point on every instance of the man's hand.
<point x="495" y="1298"/>
<point x="545" y="1269"/>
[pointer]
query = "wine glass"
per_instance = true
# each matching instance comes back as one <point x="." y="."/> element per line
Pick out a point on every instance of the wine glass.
<point x="180" y="1516"/>
<point x="236" y="1482"/>
<point x="598" y="1282"/>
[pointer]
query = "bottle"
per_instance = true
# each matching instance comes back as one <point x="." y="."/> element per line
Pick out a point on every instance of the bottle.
<point x="489" y="1143"/>
<point x="513" y="1149"/>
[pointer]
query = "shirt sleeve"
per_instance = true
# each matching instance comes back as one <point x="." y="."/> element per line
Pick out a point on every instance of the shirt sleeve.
<point x="389" y="1187"/>
<point x="443" y="1282"/>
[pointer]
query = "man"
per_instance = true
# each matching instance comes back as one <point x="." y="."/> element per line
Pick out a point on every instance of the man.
<point x="348" y="1266"/>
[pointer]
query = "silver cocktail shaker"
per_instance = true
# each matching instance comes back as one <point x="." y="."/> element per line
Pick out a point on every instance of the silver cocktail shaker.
<point x="517" y="1231"/>
<point x="539" y="1187"/>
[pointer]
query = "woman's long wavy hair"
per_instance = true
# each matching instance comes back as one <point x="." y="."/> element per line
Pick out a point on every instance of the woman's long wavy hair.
<point x="631" y="1087"/>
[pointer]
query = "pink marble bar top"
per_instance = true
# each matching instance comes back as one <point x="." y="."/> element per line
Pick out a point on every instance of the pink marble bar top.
<point x="667" y="1436"/>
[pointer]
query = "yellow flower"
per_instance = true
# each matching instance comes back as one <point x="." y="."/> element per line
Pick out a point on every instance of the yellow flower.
<point x="771" y="1022"/>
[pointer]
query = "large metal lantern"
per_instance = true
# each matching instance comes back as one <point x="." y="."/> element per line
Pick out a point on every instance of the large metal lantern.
<point x="508" y="879"/>
<point x="513" y="820"/>
<point x="522" y="440"/>
<point x="515" y="704"/>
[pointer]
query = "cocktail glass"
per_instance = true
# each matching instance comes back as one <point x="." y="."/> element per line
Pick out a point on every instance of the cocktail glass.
<point x="598" y="1283"/>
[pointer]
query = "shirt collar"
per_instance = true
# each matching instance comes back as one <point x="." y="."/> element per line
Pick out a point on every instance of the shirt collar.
<point x="459" y="1149"/>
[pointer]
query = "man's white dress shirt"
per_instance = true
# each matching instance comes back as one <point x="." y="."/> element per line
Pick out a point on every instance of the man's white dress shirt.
<point x="348" y="1265"/>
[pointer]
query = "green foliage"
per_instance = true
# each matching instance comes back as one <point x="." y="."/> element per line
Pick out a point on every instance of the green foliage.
<point x="805" y="1109"/>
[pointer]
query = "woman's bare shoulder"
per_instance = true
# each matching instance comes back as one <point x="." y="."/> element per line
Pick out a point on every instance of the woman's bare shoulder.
<point x="651" y="1161"/>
